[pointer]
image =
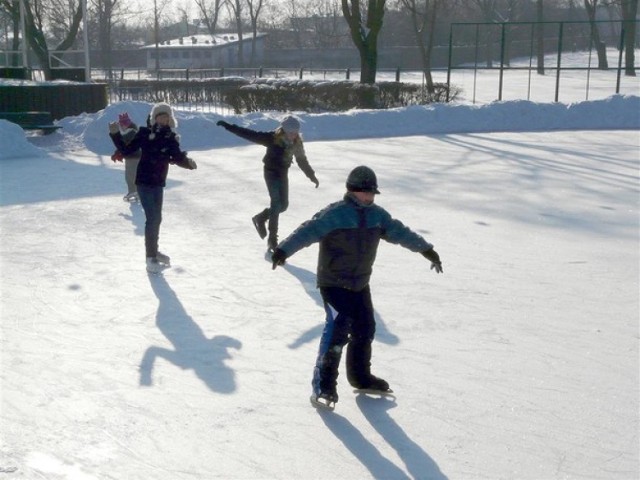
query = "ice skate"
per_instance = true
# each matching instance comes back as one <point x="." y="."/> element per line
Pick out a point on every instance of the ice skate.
<point x="373" y="386"/>
<point x="154" y="266"/>
<point x="163" y="259"/>
<point x="325" y="401"/>
<point x="259" y="222"/>
<point x="272" y="242"/>
<point x="131" y="197"/>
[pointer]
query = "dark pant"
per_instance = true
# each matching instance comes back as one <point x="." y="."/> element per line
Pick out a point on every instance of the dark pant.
<point x="151" y="200"/>
<point x="350" y="321"/>
<point x="278" y="187"/>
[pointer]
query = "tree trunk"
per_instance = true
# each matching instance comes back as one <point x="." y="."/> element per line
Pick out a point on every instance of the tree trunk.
<point x="629" y="12"/>
<point x="365" y="35"/>
<point x="540" y="36"/>
<point x="601" y="48"/>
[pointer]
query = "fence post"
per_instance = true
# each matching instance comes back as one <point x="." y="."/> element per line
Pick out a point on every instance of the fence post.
<point x="187" y="74"/>
<point x="449" y="61"/>
<point x="260" y="72"/>
<point x="348" y="73"/>
<point x="301" y="70"/>
<point x="559" y="64"/>
<point x="621" y="49"/>
<point x="502" y="42"/>
<point x="398" y="75"/>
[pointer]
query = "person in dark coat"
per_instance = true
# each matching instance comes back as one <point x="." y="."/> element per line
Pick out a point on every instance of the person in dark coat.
<point x="349" y="232"/>
<point x="283" y="144"/>
<point x="128" y="129"/>
<point x="159" y="147"/>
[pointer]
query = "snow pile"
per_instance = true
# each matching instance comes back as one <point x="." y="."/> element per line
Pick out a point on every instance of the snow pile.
<point x="198" y="130"/>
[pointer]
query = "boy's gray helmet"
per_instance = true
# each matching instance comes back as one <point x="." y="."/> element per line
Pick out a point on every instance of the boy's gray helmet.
<point x="362" y="179"/>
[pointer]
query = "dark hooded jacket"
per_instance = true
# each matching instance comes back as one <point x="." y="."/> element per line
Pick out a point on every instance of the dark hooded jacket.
<point x="280" y="152"/>
<point x="159" y="147"/>
<point x="349" y="233"/>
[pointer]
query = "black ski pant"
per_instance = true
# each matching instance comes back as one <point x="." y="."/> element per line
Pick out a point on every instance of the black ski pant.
<point x="350" y="321"/>
<point x="151" y="198"/>
<point x="278" y="186"/>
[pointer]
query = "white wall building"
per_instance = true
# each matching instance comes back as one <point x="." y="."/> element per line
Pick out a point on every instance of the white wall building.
<point x="205" y="51"/>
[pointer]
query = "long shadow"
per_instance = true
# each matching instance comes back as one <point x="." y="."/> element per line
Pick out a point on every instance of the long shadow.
<point x="136" y="217"/>
<point x="419" y="464"/>
<point x="192" y="350"/>
<point x="308" y="281"/>
<point x="50" y="178"/>
<point x="361" y="448"/>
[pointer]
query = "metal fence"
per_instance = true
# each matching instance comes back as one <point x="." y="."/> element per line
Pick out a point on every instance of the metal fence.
<point x="509" y="52"/>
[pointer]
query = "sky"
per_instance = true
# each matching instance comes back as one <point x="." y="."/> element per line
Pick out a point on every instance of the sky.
<point x="520" y="361"/>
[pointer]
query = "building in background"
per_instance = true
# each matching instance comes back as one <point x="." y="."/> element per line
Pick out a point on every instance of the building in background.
<point x="206" y="51"/>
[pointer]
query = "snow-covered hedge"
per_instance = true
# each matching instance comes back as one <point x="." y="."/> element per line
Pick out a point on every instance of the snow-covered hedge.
<point x="332" y="96"/>
<point x="245" y="95"/>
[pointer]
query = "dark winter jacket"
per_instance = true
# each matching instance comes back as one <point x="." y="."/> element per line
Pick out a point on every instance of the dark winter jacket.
<point x="349" y="233"/>
<point x="280" y="152"/>
<point x="159" y="147"/>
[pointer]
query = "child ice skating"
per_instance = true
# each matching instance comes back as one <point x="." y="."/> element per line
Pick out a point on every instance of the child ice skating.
<point x="349" y="232"/>
<point x="159" y="147"/>
<point x="128" y="130"/>
<point x="282" y="144"/>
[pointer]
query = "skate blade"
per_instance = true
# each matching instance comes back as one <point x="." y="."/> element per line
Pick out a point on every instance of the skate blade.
<point x="380" y="393"/>
<point x="322" y="404"/>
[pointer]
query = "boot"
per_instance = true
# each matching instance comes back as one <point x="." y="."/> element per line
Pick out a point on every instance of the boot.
<point x="272" y="242"/>
<point x="259" y="221"/>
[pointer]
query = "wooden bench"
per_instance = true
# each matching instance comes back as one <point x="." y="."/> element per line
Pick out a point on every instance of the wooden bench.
<point x="31" y="120"/>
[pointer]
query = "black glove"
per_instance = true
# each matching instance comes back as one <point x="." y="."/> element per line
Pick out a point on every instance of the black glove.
<point x="278" y="258"/>
<point x="222" y="123"/>
<point x="434" y="258"/>
<point x="315" y="180"/>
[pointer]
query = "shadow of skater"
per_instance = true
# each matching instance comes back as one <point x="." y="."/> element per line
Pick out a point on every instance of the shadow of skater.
<point x="419" y="464"/>
<point x="308" y="281"/>
<point x="136" y="217"/>
<point x="192" y="350"/>
<point x="361" y="448"/>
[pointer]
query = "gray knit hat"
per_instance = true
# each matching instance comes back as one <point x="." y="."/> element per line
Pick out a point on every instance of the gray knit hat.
<point x="290" y="124"/>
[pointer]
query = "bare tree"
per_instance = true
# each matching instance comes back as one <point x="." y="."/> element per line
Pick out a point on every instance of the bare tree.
<point x="44" y="16"/>
<point x="423" y="20"/>
<point x="255" y="6"/>
<point x="591" y="6"/>
<point x="365" y="24"/>
<point x="12" y="9"/>
<point x="629" y="12"/>
<point x="104" y="11"/>
<point x="540" y="35"/>
<point x="210" y="11"/>
<point x="235" y="8"/>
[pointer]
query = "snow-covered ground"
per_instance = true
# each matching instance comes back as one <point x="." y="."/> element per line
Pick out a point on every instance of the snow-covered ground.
<point x="519" y="362"/>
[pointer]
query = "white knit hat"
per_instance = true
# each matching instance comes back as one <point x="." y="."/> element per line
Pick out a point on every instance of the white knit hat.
<point x="159" y="108"/>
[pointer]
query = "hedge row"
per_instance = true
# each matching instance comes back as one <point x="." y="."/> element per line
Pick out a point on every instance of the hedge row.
<point x="244" y="95"/>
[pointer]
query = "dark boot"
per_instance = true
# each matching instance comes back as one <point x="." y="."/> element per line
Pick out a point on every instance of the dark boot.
<point x="259" y="221"/>
<point x="325" y="375"/>
<point x="272" y="242"/>
<point x="359" y="367"/>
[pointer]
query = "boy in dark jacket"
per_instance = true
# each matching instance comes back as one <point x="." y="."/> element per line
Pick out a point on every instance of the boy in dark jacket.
<point x="159" y="148"/>
<point x="282" y="144"/>
<point x="349" y="232"/>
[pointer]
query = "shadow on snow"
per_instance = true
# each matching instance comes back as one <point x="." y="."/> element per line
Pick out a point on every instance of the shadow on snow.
<point x="192" y="350"/>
